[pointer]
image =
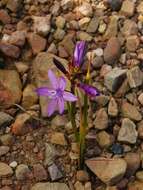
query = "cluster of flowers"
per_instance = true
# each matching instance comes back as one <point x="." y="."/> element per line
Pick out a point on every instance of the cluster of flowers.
<point x="57" y="92"/>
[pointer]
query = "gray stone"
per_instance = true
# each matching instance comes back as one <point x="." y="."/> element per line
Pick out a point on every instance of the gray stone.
<point x="50" y="186"/>
<point x="50" y="154"/>
<point x="114" y="79"/>
<point x="5" y="119"/>
<point x="59" y="34"/>
<point x="135" y="77"/>
<point x="112" y="29"/>
<point x="54" y="172"/>
<point x="127" y="132"/>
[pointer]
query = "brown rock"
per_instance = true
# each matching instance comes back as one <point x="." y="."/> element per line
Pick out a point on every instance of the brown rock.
<point x="4" y="17"/>
<point x="22" y="123"/>
<point x="5" y="170"/>
<point x="10" y="88"/>
<point x="29" y="96"/>
<point x="128" y="8"/>
<point x="113" y="108"/>
<point x="9" y="50"/>
<point x="129" y="28"/>
<point x="128" y="132"/>
<point x="104" y="139"/>
<point x="110" y="171"/>
<point x="132" y="43"/>
<point x="140" y="129"/>
<point x="58" y="138"/>
<point x="17" y="38"/>
<point x="130" y="111"/>
<point x="37" y="42"/>
<point x="112" y="50"/>
<point x="40" y="173"/>
<point x="101" y="120"/>
<point x="140" y="98"/>
<point x="82" y="176"/>
<point x="135" y="186"/>
<point x="14" y="5"/>
<point x="133" y="163"/>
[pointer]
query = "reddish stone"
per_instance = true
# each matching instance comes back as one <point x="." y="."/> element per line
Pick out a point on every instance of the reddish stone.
<point x="10" y="50"/>
<point x="4" y="17"/>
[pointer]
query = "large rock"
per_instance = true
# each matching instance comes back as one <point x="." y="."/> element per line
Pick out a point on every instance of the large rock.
<point x="112" y="50"/>
<point x="50" y="186"/>
<point x="5" y="170"/>
<point x="129" y="28"/>
<point x="130" y="111"/>
<point x="110" y="171"/>
<point x="10" y="88"/>
<point x="41" y="65"/>
<point x="127" y="132"/>
<point x="114" y="79"/>
<point x="85" y="9"/>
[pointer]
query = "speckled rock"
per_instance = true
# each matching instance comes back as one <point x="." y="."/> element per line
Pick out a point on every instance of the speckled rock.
<point x="101" y="120"/>
<point x="10" y="92"/>
<point x="112" y="50"/>
<point x="114" y="79"/>
<point x="128" y="132"/>
<point x="5" y="170"/>
<point x="110" y="171"/>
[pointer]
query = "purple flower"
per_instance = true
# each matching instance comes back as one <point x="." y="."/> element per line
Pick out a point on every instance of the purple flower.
<point x="56" y="93"/>
<point x="88" y="89"/>
<point x="79" y="53"/>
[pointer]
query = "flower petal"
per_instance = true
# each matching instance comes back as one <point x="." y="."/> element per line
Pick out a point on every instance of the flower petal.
<point x="42" y="91"/>
<point x="62" y="83"/>
<point x="52" y="107"/>
<point x="90" y="90"/>
<point x="79" y="53"/>
<point x="69" y="97"/>
<point x="61" y="105"/>
<point x="53" y="79"/>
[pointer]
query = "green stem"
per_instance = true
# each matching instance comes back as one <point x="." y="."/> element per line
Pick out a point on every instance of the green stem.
<point x="73" y="122"/>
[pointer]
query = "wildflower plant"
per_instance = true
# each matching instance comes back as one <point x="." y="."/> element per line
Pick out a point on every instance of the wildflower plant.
<point x="58" y="94"/>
